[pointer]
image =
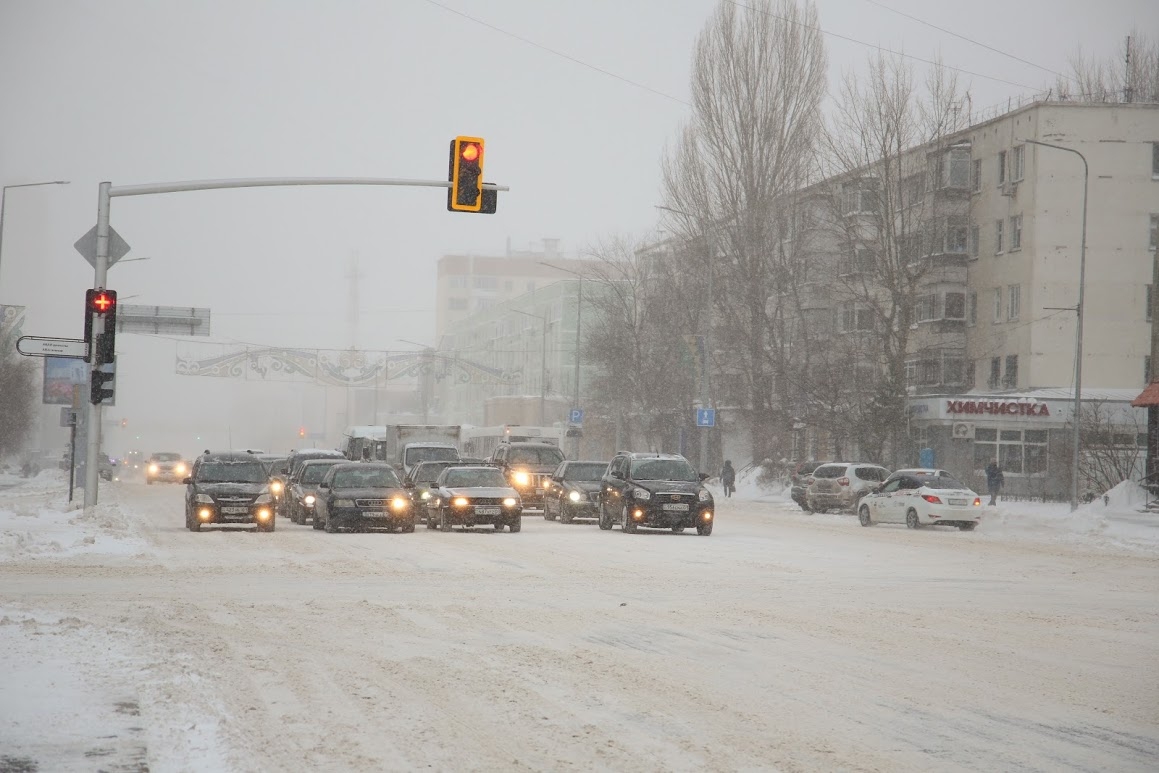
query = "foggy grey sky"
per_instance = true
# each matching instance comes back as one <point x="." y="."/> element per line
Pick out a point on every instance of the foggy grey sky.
<point x="136" y="92"/>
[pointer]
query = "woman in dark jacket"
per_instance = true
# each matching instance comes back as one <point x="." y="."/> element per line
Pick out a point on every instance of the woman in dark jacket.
<point x="728" y="478"/>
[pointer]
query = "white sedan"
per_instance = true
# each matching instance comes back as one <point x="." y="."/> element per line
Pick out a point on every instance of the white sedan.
<point x="922" y="498"/>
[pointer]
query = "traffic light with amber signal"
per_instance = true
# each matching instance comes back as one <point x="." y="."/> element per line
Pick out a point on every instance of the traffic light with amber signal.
<point x="100" y="325"/>
<point x="465" y="173"/>
<point x="301" y="432"/>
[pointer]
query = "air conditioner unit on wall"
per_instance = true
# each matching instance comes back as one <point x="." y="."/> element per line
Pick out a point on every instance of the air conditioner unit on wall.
<point x="962" y="431"/>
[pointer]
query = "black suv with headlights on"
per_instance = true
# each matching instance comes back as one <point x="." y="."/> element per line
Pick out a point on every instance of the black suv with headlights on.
<point x="657" y="491"/>
<point x="229" y="487"/>
<point x="528" y="466"/>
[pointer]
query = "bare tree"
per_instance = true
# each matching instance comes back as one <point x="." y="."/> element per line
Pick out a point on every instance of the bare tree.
<point x="1132" y="75"/>
<point x="758" y="78"/>
<point x="1111" y="452"/>
<point x="17" y="401"/>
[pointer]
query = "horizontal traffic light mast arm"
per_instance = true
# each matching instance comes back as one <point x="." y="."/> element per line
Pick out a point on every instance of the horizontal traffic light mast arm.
<point x="273" y="182"/>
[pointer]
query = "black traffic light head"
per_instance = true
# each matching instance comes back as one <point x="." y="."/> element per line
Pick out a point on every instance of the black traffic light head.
<point x="101" y="308"/>
<point x="102" y="386"/>
<point x="465" y="173"/>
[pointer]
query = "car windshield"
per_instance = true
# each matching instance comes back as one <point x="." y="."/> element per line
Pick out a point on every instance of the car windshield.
<point x="942" y="482"/>
<point x="430" y="472"/>
<point x="365" y="477"/>
<point x="536" y="456"/>
<point x="584" y="471"/>
<point x="314" y="473"/>
<point x="485" y="477"/>
<point x="663" y="469"/>
<point x="231" y="472"/>
<point x="273" y="466"/>
<point x="829" y="471"/>
<point x="166" y="457"/>
<point x="430" y="454"/>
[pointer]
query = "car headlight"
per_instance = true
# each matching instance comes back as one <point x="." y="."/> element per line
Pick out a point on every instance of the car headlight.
<point x="461" y="502"/>
<point x="425" y="495"/>
<point x="179" y="469"/>
<point x="521" y="478"/>
<point x="398" y="504"/>
<point x="642" y="494"/>
<point x="203" y="499"/>
<point x="574" y="496"/>
<point x="308" y="500"/>
<point x="263" y="499"/>
<point x="276" y="487"/>
<point x="705" y="496"/>
<point x="153" y="468"/>
<point x="344" y="503"/>
<point x="510" y="502"/>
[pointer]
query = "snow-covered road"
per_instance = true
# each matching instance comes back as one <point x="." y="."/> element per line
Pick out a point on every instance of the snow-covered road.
<point x="784" y="641"/>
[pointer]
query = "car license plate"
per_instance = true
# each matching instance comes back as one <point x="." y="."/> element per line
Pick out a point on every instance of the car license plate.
<point x="539" y="491"/>
<point x="958" y="502"/>
<point x="487" y="511"/>
<point x="234" y="510"/>
<point x="679" y="508"/>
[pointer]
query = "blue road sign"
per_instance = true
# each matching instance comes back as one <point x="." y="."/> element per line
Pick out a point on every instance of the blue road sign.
<point x="706" y="417"/>
<point x="576" y="416"/>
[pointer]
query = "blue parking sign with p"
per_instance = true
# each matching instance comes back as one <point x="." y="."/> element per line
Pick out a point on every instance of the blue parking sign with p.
<point x="576" y="416"/>
<point x="706" y="417"/>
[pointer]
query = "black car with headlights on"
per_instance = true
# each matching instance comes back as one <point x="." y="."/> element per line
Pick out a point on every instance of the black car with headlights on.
<point x="421" y="482"/>
<point x="574" y="491"/>
<point x="228" y="488"/>
<point x="302" y="489"/>
<point x="290" y="468"/>
<point x="358" y="496"/>
<point x="470" y="496"/>
<point x="527" y="467"/>
<point x="657" y="491"/>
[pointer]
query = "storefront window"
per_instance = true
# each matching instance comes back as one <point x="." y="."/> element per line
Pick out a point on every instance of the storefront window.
<point x="1019" y="452"/>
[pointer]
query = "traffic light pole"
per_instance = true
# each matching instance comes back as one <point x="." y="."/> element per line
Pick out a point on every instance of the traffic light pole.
<point x="108" y="191"/>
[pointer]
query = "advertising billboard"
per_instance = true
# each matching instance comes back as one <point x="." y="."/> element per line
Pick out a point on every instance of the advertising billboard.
<point x="61" y="374"/>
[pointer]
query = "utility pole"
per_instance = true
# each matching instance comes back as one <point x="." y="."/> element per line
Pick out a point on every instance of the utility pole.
<point x="579" y="305"/>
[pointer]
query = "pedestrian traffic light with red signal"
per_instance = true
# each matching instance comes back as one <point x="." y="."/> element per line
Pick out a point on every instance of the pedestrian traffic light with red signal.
<point x="465" y="173"/>
<point x="100" y="325"/>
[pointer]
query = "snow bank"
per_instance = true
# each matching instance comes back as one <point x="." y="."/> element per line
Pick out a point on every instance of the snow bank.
<point x="37" y="521"/>
<point x="749" y="489"/>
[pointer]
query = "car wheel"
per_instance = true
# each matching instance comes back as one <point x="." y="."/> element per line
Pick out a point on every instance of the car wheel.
<point x="266" y="527"/>
<point x="195" y="526"/>
<point x="805" y="507"/>
<point x="605" y="519"/>
<point x="627" y="525"/>
<point x="704" y="529"/>
<point x="677" y="529"/>
<point x="498" y="526"/>
<point x="515" y="524"/>
<point x="430" y="520"/>
<point x="911" y="519"/>
<point x="564" y="515"/>
<point x="316" y="522"/>
<point x="863" y="516"/>
<point x="547" y="516"/>
<point x="408" y="528"/>
<point x="328" y="526"/>
<point x="968" y="526"/>
<point x="444" y="521"/>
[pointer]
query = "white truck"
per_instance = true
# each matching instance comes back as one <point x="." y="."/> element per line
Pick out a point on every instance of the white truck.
<point x="404" y="445"/>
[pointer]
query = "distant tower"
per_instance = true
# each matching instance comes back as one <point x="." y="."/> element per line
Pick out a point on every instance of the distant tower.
<point x="354" y="275"/>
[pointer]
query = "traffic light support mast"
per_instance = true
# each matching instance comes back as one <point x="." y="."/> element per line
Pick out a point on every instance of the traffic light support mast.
<point x="108" y="191"/>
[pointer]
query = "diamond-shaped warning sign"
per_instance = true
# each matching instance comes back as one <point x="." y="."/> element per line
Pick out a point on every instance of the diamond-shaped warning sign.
<point x="87" y="246"/>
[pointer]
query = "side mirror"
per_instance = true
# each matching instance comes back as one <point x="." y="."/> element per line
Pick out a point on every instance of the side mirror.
<point x="187" y="481"/>
<point x="617" y="475"/>
<point x="704" y="476"/>
<point x="322" y="486"/>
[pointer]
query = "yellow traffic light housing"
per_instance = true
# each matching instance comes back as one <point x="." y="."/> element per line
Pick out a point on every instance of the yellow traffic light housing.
<point x="465" y="173"/>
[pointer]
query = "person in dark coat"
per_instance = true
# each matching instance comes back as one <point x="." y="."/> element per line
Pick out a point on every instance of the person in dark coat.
<point x="728" y="478"/>
<point x="994" y="480"/>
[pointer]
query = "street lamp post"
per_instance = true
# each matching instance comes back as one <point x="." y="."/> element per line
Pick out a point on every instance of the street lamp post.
<point x="579" y="305"/>
<point x="542" y="367"/>
<point x="1078" y="344"/>
<point x="705" y="400"/>
<point x="4" y="201"/>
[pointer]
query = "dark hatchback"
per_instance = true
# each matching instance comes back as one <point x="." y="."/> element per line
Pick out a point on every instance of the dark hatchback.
<point x="290" y="468"/>
<point x="574" y="491"/>
<point x="421" y="483"/>
<point x="358" y="496"/>
<point x="658" y="491"/>
<point x="228" y="488"/>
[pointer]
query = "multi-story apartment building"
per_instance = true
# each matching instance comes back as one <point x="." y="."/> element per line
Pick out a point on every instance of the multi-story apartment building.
<point x="996" y="226"/>
<point x="468" y="284"/>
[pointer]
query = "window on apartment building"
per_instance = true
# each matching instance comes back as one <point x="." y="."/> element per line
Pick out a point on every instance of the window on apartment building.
<point x="1017" y="165"/>
<point x="973" y="309"/>
<point x="1146" y="369"/>
<point x="953" y="370"/>
<point x="1016" y="233"/>
<point x="955" y="305"/>
<point x="1001" y="166"/>
<point x="1011" y="379"/>
<point x="995" y="372"/>
<point x="818" y="322"/>
<point x="1014" y="303"/>
<point x="509" y="285"/>
<point x="1154" y="241"/>
<point x="955" y="169"/>
<point x="926" y="307"/>
<point x="486" y="282"/>
<point x="854" y="317"/>
<point x="1019" y="452"/>
<point x="976" y="176"/>
<point x="862" y="261"/>
<point x="459" y="282"/>
<point x="457" y="304"/>
<point x="997" y="305"/>
<point x="1149" y="300"/>
<point x="957" y="230"/>
<point x="974" y="241"/>
<point x="1155" y="160"/>
<point x="970" y="375"/>
<point x="998" y="237"/>
<point x="859" y="197"/>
